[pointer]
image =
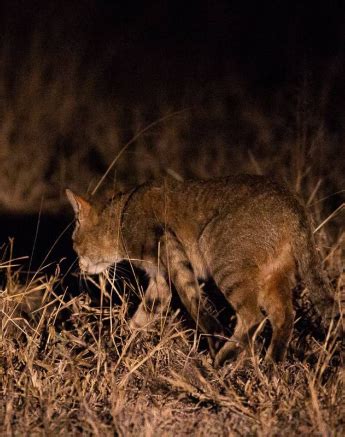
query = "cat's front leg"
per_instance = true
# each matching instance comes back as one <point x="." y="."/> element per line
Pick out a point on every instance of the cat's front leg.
<point x="154" y="303"/>
<point x="181" y="272"/>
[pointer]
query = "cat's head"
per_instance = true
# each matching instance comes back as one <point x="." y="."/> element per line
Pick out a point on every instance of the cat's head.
<point x="96" y="237"/>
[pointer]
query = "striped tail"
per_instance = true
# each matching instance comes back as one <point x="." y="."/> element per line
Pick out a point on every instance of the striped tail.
<point x="313" y="277"/>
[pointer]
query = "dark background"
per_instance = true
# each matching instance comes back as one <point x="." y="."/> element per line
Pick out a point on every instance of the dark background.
<point x="162" y="46"/>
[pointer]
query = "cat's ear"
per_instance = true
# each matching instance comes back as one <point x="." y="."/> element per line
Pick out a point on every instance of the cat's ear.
<point x="82" y="207"/>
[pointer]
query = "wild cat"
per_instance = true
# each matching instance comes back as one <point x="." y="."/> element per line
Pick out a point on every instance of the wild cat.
<point x="250" y="234"/>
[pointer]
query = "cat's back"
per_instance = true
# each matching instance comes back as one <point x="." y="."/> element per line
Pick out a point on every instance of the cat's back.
<point x="201" y="199"/>
<point x="182" y="202"/>
<point x="234" y="202"/>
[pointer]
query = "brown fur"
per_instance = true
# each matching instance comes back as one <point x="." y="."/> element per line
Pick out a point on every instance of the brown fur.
<point x="247" y="232"/>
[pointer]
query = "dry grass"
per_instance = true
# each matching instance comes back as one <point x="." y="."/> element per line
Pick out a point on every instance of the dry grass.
<point x="74" y="367"/>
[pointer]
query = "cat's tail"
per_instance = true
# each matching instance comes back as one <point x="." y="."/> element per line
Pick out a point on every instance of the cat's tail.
<point x="313" y="277"/>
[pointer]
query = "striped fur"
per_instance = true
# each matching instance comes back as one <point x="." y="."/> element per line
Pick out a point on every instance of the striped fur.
<point x="251" y="235"/>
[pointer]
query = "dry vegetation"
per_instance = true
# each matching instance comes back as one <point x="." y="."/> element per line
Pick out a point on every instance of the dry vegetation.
<point x="86" y="373"/>
<point x="70" y="365"/>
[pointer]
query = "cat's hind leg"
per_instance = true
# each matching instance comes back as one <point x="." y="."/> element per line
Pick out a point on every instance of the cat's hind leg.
<point x="244" y="301"/>
<point x="276" y="299"/>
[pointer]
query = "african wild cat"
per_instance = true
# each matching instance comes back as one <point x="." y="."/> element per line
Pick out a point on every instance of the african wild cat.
<point x="248" y="233"/>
